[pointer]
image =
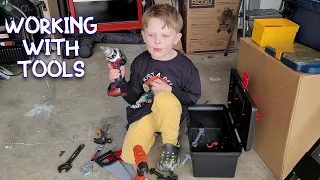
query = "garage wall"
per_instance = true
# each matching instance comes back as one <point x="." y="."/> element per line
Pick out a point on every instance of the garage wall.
<point x="270" y="4"/>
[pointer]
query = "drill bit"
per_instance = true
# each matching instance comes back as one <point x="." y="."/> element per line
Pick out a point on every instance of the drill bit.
<point x="145" y="175"/>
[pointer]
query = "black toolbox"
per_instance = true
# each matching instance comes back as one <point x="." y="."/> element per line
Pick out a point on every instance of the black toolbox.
<point x="217" y="151"/>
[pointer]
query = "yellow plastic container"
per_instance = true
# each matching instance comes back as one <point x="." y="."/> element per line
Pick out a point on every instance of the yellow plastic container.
<point x="274" y="31"/>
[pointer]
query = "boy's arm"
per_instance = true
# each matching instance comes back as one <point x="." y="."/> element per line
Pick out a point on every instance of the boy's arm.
<point x="191" y="91"/>
<point x="132" y="87"/>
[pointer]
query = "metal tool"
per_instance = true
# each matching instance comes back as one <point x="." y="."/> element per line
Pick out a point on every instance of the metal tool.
<point x="173" y="176"/>
<point x="186" y="159"/>
<point x="153" y="171"/>
<point x="68" y="165"/>
<point x="195" y="142"/>
<point x="87" y="168"/>
<point x="117" y="59"/>
<point x="103" y="136"/>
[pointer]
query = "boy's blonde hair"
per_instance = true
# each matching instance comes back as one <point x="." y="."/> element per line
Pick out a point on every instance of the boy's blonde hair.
<point x="170" y="16"/>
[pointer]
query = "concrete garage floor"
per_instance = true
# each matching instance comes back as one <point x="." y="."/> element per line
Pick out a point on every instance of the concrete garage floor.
<point x="42" y="117"/>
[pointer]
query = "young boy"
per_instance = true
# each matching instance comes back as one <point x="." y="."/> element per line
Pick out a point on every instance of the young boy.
<point x="163" y="82"/>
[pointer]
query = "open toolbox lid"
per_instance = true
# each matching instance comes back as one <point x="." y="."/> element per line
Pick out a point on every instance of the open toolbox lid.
<point x="242" y="108"/>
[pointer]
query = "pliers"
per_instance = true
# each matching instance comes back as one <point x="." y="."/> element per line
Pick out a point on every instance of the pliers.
<point x="103" y="137"/>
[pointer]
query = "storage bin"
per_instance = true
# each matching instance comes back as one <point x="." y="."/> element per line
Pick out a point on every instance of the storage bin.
<point x="277" y="51"/>
<point x="302" y="58"/>
<point x="218" y="149"/>
<point x="297" y="56"/>
<point x="299" y="63"/>
<point x="274" y="31"/>
<point x="307" y="15"/>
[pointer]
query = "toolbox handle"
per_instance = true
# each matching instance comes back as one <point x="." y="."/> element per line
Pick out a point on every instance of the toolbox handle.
<point x="258" y="116"/>
<point x="109" y="156"/>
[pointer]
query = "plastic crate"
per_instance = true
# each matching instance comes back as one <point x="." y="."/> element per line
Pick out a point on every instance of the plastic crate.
<point x="274" y="31"/>
<point x="307" y="15"/>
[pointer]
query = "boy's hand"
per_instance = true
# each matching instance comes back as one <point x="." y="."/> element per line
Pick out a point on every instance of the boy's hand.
<point x="115" y="73"/>
<point x="158" y="85"/>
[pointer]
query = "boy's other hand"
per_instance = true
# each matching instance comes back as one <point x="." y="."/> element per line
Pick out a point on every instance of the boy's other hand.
<point x="158" y="85"/>
<point x="115" y="73"/>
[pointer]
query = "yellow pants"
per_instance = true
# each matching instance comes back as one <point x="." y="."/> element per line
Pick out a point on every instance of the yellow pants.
<point x="165" y="118"/>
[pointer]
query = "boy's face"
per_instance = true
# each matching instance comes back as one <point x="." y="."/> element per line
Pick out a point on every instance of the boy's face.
<point x="159" y="40"/>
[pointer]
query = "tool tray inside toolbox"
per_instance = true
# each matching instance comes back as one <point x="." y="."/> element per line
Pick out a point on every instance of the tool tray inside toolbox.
<point x="216" y="129"/>
<point x="227" y="129"/>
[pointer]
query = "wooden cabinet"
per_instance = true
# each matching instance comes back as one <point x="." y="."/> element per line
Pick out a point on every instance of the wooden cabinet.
<point x="289" y="104"/>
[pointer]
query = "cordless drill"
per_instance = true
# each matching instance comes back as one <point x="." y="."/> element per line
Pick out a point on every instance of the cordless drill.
<point x="117" y="59"/>
<point x="141" y="162"/>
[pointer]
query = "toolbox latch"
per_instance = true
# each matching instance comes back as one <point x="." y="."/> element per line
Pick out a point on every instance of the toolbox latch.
<point x="258" y="116"/>
<point x="245" y="80"/>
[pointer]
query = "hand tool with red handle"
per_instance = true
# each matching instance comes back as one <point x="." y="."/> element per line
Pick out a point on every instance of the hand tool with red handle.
<point x="112" y="162"/>
<point x="87" y="168"/>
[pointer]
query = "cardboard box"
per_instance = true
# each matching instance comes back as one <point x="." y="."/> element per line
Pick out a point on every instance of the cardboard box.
<point x="207" y="25"/>
<point x="288" y="102"/>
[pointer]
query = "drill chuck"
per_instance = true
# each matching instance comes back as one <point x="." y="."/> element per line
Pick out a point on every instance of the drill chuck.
<point x="108" y="51"/>
<point x="113" y="55"/>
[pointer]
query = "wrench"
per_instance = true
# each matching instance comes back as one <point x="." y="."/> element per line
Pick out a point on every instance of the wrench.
<point x="195" y="142"/>
<point x="87" y="168"/>
<point x="68" y="165"/>
<point x="186" y="159"/>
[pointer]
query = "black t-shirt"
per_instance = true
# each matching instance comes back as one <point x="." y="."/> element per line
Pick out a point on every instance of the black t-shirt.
<point x="179" y="72"/>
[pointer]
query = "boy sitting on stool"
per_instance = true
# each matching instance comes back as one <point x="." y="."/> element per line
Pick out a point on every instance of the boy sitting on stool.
<point x="163" y="82"/>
